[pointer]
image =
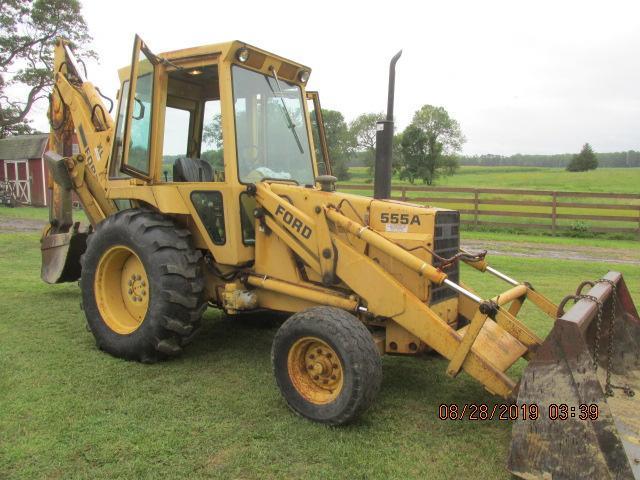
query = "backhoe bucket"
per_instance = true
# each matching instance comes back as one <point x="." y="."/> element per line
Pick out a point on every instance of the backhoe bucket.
<point x="62" y="243"/>
<point x="61" y="254"/>
<point x="587" y="427"/>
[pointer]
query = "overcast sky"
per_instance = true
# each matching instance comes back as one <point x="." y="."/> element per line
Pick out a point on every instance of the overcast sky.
<point x="520" y="77"/>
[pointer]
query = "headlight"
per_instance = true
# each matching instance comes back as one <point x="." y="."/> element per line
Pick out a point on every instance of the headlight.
<point x="242" y="54"/>
<point x="303" y="76"/>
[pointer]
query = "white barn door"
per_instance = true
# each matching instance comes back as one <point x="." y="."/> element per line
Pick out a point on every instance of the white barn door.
<point x="17" y="173"/>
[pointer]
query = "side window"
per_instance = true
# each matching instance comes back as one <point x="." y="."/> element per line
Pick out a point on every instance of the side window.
<point x="211" y="148"/>
<point x="136" y="157"/>
<point x="247" y="219"/>
<point x="176" y="139"/>
<point x="210" y="210"/>
<point x="323" y="159"/>
<point x="116" y="157"/>
<point x="141" y="124"/>
<point x="320" y="160"/>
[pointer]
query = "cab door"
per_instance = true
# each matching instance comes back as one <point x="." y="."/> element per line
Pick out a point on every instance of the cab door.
<point x="137" y="143"/>
<point x="319" y="139"/>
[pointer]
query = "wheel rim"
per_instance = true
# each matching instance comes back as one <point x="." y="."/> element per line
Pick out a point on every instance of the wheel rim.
<point x="315" y="370"/>
<point x="121" y="290"/>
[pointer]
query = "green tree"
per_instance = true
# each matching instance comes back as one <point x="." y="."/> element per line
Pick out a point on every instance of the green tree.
<point x="28" y="30"/>
<point x="414" y="145"/>
<point x="363" y="136"/>
<point x="212" y="132"/>
<point x="583" y="161"/>
<point x="430" y="144"/>
<point x="339" y="142"/>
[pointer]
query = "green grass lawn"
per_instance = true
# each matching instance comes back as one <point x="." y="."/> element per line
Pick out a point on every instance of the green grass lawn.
<point x="68" y="410"/>
<point x="35" y="213"/>
<point x="609" y="180"/>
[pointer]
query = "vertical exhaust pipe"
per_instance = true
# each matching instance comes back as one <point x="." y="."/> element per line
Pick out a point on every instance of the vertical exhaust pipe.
<point x="384" y="141"/>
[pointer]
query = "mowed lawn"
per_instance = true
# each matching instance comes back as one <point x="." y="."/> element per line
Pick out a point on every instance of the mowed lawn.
<point x="68" y="410"/>
<point x="608" y="180"/>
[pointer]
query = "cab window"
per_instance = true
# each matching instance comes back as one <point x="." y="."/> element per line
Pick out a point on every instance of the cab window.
<point x="271" y="131"/>
<point x="211" y="146"/>
<point x="116" y="157"/>
<point x="176" y="139"/>
<point x="192" y="144"/>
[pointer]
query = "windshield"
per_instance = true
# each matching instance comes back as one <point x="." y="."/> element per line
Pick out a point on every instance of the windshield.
<point x="271" y="133"/>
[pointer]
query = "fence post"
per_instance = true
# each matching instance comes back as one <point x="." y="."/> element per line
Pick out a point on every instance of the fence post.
<point x="476" y="206"/>
<point x="554" y="213"/>
<point x="404" y="194"/>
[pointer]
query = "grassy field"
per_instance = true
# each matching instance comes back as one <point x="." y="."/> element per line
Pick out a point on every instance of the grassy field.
<point x="614" y="180"/>
<point x="609" y="180"/>
<point x="69" y="411"/>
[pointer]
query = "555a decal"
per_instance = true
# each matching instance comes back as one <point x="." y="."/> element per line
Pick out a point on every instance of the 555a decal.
<point x="399" y="218"/>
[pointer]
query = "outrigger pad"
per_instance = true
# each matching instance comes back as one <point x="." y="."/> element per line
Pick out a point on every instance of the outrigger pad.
<point x="561" y="380"/>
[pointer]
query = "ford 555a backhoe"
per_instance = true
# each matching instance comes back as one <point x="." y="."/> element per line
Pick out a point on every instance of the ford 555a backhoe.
<point x="213" y="186"/>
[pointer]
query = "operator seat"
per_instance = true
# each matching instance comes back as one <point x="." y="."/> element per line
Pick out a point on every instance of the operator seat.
<point x="187" y="169"/>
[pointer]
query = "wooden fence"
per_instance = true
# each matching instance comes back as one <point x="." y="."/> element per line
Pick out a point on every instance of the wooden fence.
<point x="527" y="209"/>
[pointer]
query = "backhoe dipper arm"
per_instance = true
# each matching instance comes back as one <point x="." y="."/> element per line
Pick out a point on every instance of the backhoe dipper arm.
<point x="77" y="106"/>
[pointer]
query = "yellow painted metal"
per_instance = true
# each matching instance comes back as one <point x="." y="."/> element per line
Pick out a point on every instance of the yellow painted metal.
<point x="385" y="296"/>
<point x="543" y="303"/>
<point x="121" y="290"/>
<point x="494" y="341"/>
<point x="515" y="306"/>
<point x="92" y="195"/>
<point x="517" y="329"/>
<point x="289" y="217"/>
<point x="399" y="340"/>
<point x="307" y="292"/>
<point x="373" y="238"/>
<point x="417" y="284"/>
<point x="315" y="370"/>
<point x="326" y="252"/>
<point x="308" y="257"/>
<point x="510" y="295"/>
<point x="448" y="310"/>
<point x="411" y="219"/>
<point x="480" y="265"/>
<point x="472" y="331"/>
<point x="274" y="257"/>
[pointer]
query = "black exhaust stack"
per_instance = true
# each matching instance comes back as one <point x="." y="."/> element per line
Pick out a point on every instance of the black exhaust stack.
<point x="384" y="141"/>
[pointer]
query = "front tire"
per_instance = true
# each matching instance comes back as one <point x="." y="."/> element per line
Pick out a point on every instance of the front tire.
<point x="142" y="286"/>
<point x="326" y="365"/>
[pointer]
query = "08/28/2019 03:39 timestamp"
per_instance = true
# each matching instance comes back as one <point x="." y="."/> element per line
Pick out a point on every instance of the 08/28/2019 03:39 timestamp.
<point x="510" y="412"/>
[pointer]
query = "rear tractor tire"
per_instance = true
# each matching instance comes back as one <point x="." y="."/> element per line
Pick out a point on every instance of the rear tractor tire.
<point x="326" y="365"/>
<point x="142" y="286"/>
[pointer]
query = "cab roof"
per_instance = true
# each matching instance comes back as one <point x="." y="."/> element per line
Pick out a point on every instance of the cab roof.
<point x="258" y="59"/>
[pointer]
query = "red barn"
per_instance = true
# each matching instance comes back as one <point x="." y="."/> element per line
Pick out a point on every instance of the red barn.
<point x="21" y="163"/>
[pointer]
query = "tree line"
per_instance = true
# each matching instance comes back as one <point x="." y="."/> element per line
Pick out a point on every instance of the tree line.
<point x="426" y="149"/>
<point x="626" y="159"/>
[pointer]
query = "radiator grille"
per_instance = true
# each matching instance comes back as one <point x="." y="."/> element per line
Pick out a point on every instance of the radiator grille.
<point x="446" y="244"/>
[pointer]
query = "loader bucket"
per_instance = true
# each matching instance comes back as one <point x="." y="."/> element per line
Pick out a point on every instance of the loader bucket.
<point x="583" y="431"/>
<point x="61" y="254"/>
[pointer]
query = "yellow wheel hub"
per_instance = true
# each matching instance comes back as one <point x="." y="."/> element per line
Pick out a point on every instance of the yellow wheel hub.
<point x="315" y="370"/>
<point x="121" y="289"/>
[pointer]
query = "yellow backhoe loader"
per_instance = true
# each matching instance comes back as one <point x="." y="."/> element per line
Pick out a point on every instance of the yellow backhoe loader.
<point x="213" y="186"/>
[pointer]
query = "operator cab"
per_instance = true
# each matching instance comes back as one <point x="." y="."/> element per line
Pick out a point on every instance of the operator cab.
<point x="213" y="120"/>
